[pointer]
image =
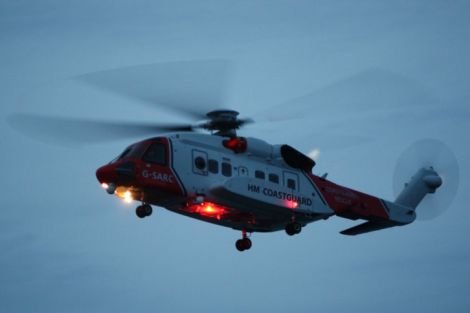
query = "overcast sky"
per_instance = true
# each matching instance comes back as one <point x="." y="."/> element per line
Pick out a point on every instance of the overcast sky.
<point x="368" y="78"/>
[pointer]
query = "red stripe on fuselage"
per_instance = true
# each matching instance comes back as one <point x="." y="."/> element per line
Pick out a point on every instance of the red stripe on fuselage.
<point x="159" y="176"/>
<point x="170" y="162"/>
<point x="349" y="203"/>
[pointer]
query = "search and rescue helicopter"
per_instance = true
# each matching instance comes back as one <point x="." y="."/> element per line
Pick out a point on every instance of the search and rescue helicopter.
<point x="239" y="182"/>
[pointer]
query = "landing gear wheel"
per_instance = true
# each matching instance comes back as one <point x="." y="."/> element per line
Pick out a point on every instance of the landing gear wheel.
<point x="243" y="244"/>
<point x="143" y="210"/>
<point x="293" y="228"/>
<point x="140" y="212"/>
<point x="246" y="243"/>
<point x="147" y="208"/>
<point x="239" y="245"/>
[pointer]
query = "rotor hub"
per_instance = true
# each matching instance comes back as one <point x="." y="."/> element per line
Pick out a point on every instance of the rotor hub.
<point x="223" y="122"/>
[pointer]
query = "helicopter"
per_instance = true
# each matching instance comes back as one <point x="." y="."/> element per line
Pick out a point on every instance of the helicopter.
<point x="243" y="183"/>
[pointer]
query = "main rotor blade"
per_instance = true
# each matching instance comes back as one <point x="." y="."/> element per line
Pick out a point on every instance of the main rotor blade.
<point x="190" y="87"/>
<point x="373" y="90"/>
<point x="67" y="131"/>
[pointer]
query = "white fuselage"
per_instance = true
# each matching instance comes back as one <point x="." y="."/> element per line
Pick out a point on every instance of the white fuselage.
<point x="255" y="181"/>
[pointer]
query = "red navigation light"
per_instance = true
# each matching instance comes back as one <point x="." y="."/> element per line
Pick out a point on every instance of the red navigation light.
<point x="208" y="209"/>
<point x="291" y="204"/>
<point x="236" y="144"/>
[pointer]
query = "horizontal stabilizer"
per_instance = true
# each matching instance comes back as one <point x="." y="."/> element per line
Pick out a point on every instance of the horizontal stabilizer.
<point x="367" y="227"/>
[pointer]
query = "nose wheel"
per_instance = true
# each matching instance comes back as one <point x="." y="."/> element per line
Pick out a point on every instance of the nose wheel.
<point x="293" y="228"/>
<point x="244" y="243"/>
<point x="143" y="210"/>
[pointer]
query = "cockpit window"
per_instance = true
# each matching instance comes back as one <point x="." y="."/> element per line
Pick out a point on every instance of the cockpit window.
<point x="123" y="154"/>
<point x="155" y="154"/>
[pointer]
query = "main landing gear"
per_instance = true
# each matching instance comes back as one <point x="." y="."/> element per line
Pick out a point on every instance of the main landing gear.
<point x="244" y="243"/>
<point x="293" y="228"/>
<point x="143" y="210"/>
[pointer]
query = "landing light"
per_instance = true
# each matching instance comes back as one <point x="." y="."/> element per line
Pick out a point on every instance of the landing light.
<point x="127" y="197"/>
<point x="125" y="194"/>
<point x="110" y="188"/>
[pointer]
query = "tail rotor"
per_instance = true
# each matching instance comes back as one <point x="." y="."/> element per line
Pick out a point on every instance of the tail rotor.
<point x="431" y="155"/>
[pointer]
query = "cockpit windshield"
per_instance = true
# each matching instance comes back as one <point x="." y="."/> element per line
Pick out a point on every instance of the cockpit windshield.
<point x="123" y="154"/>
<point x="151" y="152"/>
<point x="156" y="154"/>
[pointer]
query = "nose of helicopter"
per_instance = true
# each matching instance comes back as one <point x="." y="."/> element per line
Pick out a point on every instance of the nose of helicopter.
<point x="105" y="174"/>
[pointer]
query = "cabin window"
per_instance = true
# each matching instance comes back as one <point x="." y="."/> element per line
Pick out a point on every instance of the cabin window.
<point x="290" y="183"/>
<point x="155" y="154"/>
<point x="226" y="169"/>
<point x="291" y="180"/>
<point x="259" y="175"/>
<point x="200" y="163"/>
<point x="274" y="178"/>
<point x="213" y="166"/>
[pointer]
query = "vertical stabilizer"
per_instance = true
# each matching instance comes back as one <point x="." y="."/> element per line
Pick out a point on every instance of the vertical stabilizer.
<point x="425" y="181"/>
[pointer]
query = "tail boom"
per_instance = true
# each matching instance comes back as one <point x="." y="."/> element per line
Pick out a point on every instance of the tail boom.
<point x="402" y="211"/>
<point x="352" y="204"/>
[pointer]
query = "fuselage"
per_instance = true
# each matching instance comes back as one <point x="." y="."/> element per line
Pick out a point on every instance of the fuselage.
<point x="242" y="183"/>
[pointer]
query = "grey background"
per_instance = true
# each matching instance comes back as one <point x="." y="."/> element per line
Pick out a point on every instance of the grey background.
<point x="378" y="75"/>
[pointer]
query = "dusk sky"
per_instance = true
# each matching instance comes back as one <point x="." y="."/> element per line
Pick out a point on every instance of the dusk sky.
<point x="358" y="80"/>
